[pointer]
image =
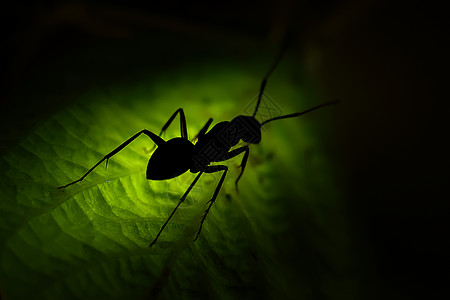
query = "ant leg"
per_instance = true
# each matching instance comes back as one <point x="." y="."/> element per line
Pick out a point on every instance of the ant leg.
<point x="243" y="164"/>
<point x="234" y="153"/>
<point x="183" y="127"/>
<point x="212" y="169"/>
<point x="203" y="130"/>
<point x="176" y="207"/>
<point x="158" y="141"/>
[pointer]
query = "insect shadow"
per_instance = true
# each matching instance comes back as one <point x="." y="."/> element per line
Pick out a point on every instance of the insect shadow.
<point x="178" y="155"/>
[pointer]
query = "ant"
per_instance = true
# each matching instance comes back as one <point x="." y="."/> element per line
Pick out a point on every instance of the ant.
<point x="178" y="155"/>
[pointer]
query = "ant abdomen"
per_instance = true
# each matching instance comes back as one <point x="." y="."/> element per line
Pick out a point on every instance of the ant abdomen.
<point x="170" y="159"/>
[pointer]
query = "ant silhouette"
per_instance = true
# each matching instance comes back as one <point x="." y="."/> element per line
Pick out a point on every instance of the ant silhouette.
<point x="178" y="155"/>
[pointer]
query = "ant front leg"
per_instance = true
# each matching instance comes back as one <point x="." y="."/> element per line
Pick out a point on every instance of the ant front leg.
<point x="243" y="164"/>
<point x="213" y="169"/>
<point x="234" y="153"/>
<point x="158" y="141"/>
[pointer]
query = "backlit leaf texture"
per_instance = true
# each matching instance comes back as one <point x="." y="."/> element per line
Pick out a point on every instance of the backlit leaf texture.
<point x="281" y="237"/>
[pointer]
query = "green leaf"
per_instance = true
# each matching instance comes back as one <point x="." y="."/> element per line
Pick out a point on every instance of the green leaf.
<point x="90" y="240"/>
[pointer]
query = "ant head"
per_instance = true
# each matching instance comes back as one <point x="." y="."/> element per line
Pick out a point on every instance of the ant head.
<point x="249" y="129"/>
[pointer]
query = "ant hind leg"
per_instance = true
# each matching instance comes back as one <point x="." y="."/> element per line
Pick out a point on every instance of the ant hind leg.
<point x="183" y="127"/>
<point x="156" y="139"/>
<point x="202" y="132"/>
<point x="176" y="207"/>
<point x="213" y="169"/>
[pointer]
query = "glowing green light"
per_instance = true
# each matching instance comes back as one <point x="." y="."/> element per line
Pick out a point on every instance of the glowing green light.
<point x="92" y="238"/>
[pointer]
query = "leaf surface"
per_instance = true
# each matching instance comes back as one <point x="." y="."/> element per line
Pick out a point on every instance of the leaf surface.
<point x="91" y="239"/>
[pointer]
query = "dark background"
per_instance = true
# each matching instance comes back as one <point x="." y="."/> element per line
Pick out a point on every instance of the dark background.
<point x="386" y="62"/>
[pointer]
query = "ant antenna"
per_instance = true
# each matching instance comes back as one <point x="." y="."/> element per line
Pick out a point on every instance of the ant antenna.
<point x="301" y="113"/>
<point x="274" y="65"/>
